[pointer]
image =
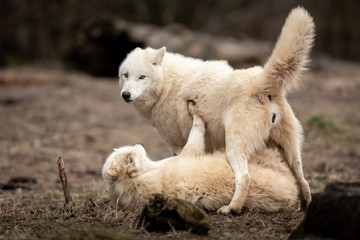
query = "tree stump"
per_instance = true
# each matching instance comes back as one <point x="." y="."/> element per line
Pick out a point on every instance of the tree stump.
<point x="333" y="213"/>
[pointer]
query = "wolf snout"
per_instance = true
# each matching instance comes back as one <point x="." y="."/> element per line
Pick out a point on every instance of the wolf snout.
<point x="126" y="96"/>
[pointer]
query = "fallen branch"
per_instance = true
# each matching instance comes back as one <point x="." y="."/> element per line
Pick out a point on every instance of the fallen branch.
<point x="69" y="203"/>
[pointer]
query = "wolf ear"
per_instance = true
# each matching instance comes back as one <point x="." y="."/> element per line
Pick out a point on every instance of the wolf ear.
<point x="159" y="56"/>
<point x="113" y="171"/>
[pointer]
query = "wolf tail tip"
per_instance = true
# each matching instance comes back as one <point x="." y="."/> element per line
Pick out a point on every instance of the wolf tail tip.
<point x="290" y="55"/>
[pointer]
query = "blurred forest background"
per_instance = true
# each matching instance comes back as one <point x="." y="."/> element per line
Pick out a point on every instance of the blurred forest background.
<point x="74" y="31"/>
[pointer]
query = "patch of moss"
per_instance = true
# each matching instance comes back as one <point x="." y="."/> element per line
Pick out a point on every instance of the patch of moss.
<point x="321" y="124"/>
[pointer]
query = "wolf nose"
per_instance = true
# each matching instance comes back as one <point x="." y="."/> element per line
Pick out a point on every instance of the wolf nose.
<point x="126" y="95"/>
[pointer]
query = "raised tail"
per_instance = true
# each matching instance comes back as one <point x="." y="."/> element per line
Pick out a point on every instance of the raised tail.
<point x="290" y="55"/>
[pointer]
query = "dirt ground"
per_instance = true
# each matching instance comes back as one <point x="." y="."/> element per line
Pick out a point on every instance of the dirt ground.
<point x="46" y="112"/>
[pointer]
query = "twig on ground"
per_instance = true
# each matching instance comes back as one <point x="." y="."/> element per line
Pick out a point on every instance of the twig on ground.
<point x="69" y="203"/>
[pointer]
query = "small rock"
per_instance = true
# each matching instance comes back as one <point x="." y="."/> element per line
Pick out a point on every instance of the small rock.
<point x="27" y="183"/>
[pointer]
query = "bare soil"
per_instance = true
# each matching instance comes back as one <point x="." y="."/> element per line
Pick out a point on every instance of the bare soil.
<point x="49" y="112"/>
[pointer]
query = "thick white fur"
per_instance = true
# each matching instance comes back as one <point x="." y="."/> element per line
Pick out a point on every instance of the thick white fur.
<point x="235" y="104"/>
<point x="206" y="180"/>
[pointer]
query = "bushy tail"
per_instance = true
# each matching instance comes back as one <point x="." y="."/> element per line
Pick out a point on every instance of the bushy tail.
<point x="273" y="186"/>
<point x="271" y="191"/>
<point x="290" y="55"/>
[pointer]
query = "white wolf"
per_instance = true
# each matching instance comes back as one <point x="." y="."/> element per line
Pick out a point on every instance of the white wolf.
<point x="206" y="180"/>
<point x="244" y="109"/>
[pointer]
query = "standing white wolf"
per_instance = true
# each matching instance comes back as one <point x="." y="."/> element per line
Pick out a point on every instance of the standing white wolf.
<point x="243" y="109"/>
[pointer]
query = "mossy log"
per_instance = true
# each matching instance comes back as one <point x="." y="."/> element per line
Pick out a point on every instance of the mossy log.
<point x="163" y="214"/>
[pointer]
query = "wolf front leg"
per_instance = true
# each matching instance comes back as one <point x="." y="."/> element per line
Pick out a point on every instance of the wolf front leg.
<point x="243" y="136"/>
<point x="195" y="144"/>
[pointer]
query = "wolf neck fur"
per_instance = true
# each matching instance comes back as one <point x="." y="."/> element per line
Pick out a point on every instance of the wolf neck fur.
<point x="132" y="194"/>
<point x="146" y="105"/>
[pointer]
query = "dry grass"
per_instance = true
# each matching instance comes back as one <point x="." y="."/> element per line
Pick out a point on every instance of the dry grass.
<point x="30" y="216"/>
<point x="26" y="215"/>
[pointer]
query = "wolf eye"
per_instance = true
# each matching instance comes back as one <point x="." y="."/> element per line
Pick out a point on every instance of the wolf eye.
<point x="142" y="77"/>
<point x="126" y="75"/>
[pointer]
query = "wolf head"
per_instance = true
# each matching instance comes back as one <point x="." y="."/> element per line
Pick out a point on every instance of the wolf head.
<point x="124" y="162"/>
<point x="140" y="75"/>
<point x="121" y="172"/>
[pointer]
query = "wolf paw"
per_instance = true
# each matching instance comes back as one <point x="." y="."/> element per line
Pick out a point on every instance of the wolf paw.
<point x="227" y="209"/>
<point x="305" y="197"/>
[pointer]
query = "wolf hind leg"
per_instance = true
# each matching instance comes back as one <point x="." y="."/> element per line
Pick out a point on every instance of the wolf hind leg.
<point x="243" y="138"/>
<point x="288" y="134"/>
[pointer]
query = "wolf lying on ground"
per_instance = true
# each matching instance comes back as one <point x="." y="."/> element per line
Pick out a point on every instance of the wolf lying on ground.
<point x="244" y="109"/>
<point x="206" y="180"/>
